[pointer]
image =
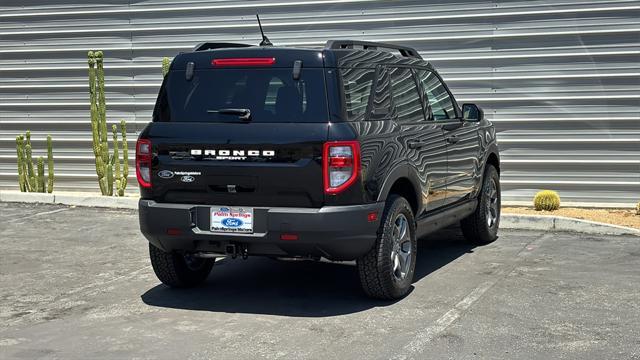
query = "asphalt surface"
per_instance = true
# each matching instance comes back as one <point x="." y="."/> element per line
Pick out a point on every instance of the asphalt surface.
<point x="76" y="283"/>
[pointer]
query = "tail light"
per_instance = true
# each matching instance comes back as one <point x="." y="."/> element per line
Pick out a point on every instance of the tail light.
<point x="341" y="164"/>
<point x="259" y="61"/>
<point x="143" y="162"/>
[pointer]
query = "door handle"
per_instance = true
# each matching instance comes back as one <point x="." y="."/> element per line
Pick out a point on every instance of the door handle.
<point x="452" y="139"/>
<point x="454" y="126"/>
<point x="416" y="144"/>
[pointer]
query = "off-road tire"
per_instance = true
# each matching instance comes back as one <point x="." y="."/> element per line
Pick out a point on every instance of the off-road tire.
<point x="376" y="268"/>
<point x="476" y="227"/>
<point x="173" y="270"/>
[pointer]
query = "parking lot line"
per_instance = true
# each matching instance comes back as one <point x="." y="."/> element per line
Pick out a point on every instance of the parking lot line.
<point x="422" y="338"/>
<point x="37" y="214"/>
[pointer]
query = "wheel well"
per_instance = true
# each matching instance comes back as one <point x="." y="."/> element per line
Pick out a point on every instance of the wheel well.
<point x="493" y="160"/>
<point x="404" y="188"/>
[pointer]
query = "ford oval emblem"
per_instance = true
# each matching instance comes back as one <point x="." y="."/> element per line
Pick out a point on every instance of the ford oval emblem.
<point x="165" y="174"/>
<point x="187" y="179"/>
<point x="232" y="222"/>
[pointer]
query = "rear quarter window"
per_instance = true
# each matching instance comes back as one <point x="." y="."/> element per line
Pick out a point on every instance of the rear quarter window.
<point x="357" y="84"/>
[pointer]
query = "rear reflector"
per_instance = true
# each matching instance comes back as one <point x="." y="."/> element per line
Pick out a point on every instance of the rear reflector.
<point x="289" y="237"/>
<point x="262" y="61"/>
<point x="372" y="216"/>
<point x="174" y="231"/>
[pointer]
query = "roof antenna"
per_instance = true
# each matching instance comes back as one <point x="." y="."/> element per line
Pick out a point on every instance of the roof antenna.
<point x="265" y="40"/>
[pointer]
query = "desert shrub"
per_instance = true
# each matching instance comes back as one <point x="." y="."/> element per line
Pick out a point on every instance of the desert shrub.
<point x="547" y="200"/>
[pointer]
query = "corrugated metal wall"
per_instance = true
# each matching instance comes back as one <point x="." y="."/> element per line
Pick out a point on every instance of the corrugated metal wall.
<point x="560" y="79"/>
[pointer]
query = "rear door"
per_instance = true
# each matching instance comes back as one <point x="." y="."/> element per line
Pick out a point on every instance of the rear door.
<point x="248" y="136"/>
<point x="424" y="139"/>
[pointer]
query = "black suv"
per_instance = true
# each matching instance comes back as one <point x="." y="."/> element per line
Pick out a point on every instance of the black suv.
<point x="350" y="152"/>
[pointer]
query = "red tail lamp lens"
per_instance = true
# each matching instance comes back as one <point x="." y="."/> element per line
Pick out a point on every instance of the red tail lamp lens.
<point x="340" y="165"/>
<point x="143" y="162"/>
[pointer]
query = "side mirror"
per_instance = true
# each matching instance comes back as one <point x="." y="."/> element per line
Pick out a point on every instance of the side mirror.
<point x="472" y="112"/>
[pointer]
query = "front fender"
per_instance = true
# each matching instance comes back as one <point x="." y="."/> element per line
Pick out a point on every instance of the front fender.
<point x="491" y="149"/>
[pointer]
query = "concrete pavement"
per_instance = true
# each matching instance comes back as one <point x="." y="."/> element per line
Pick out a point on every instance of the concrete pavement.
<point x="76" y="283"/>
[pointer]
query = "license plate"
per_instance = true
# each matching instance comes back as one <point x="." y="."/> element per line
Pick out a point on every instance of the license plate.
<point x="232" y="219"/>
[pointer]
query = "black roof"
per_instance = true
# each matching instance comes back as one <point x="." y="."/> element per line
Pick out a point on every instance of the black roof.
<point x="336" y="53"/>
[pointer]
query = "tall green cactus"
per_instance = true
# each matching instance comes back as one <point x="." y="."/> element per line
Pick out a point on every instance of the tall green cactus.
<point x="125" y="155"/>
<point x="29" y="178"/>
<point x="22" y="178"/>
<point x="31" y="174"/>
<point x="120" y="176"/>
<point x="103" y="160"/>
<point x="40" y="178"/>
<point x="166" y="64"/>
<point x="50" y="177"/>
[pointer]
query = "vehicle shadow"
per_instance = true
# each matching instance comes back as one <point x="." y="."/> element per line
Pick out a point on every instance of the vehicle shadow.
<point x="299" y="289"/>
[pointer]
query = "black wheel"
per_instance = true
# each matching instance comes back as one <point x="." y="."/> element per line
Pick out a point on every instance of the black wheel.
<point x="481" y="227"/>
<point x="386" y="271"/>
<point x="179" y="270"/>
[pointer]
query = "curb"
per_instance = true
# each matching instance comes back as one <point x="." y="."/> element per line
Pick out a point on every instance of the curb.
<point x="561" y="223"/>
<point x="573" y="204"/>
<point x="70" y="198"/>
<point x="507" y="221"/>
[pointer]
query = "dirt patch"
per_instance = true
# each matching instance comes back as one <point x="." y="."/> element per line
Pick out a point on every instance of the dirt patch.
<point x="622" y="217"/>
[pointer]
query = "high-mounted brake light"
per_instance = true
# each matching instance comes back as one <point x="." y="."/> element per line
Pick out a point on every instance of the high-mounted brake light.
<point x="340" y="165"/>
<point x="260" y="61"/>
<point x="143" y="162"/>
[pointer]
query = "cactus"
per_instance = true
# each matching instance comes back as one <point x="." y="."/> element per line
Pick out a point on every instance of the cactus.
<point x="40" y="177"/>
<point x="120" y="177"/>
<point x="29" y="178"/>
<point x="125" y="155"/>
<point x="98" y="121"/>
<point x="31" y="174"/>
<point x="50" y="176"/>
<point x="103" y="160"/>
<point x="22" y="179"/>
<point x="166" y="64"/>
<point x="546" y="200"/>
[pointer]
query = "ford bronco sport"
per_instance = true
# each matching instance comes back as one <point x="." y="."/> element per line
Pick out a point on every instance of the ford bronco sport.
<point x="351" y="152"/>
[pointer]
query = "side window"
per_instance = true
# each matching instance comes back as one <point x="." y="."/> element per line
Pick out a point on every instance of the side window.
<point x="381" y="104"/>
<point x="406" y="98"/>
<point x="439" y="99"/>
<point x="357" y="83"/>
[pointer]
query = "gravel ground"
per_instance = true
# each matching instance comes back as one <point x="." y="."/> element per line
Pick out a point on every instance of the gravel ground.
<point x="622" y="217"/>
<point x="76" y="284"/>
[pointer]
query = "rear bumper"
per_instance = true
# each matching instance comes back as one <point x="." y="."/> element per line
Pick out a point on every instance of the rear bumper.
<point x="333" y="232"/>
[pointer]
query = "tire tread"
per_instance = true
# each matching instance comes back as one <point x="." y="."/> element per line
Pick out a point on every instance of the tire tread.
<point x="474" y="226"/>
<point x="172" y="271"/>
<point x="374" y="268"/>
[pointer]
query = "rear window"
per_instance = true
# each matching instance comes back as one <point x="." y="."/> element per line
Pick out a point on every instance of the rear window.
<point x="271" y="94"/>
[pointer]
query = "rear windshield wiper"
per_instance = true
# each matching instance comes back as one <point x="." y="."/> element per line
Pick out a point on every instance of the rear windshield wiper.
<point x="243" y="114"/>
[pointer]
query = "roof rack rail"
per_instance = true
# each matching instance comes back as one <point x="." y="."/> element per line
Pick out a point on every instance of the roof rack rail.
<point x="368" y="45"/>
<point x="213" y="45"/>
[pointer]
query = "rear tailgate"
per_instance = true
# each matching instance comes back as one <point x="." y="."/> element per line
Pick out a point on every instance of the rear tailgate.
<point x="246" y="164"/>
